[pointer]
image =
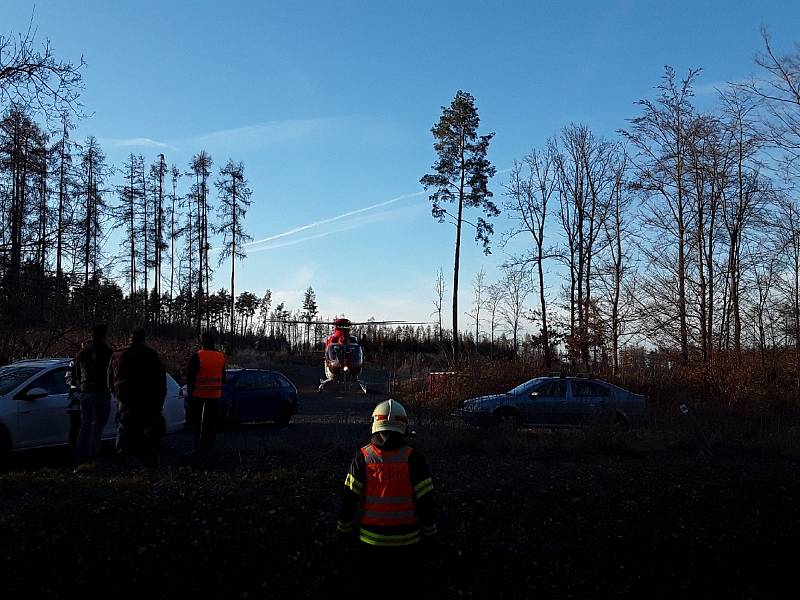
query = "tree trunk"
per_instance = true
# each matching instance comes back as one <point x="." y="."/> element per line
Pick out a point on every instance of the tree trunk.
<point x="458" y="255"/>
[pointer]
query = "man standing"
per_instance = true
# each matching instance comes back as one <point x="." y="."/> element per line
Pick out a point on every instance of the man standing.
<point x="139" y="380"/>
<point x="204" y="378"/>
<point x="391" y="484"/>
<point x="89" y="379"/>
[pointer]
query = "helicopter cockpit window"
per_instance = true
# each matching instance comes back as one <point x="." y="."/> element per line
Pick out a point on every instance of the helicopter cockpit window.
<point x="354" y="353"/>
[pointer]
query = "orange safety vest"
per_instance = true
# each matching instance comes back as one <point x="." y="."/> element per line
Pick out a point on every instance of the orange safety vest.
<point x="208" y="383"/>
<point x="389" y="496"/>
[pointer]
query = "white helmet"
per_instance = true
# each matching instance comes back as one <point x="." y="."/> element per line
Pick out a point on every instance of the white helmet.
<point x="389" y="416"/>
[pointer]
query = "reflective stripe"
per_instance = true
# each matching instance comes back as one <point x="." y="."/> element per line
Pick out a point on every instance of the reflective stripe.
<point x="377" y="539"/>
<point x="423" y="487"/>
<point x="353" y="484"/>
<point x="344" y="527"/>
<point x="386" y="516"/>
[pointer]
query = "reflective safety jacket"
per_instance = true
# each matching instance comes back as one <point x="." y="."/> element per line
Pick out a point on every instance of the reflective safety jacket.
<point x="388" y="494"/>
<point x="206" y="374"/>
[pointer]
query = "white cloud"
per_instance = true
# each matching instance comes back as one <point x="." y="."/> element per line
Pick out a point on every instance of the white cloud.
<point x="142" y="142"/>
<point x="712" y="88"/>
<point x="352" y="218"/>
<point x="259" y="135"/>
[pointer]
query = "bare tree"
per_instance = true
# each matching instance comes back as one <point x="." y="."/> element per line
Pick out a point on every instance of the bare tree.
<point x="263" y="315"/>
<point x="234" y="195"/>
<point x="174" y="231"/>
<point x="529" y="190"/>
<point x="781" y="96"/>
<point x="66" y="184"/>
<point x="585" y="182"/>
<point x="618" y="231"/>
<point x="515" y="286"/>
<point x="786" y="227"/>
<point x="660" y="137"/>
<point x="743" y="194"/>
<point x="31" y="76"/>
<point x="158" y="172"/>
<point x="439" y="289"/>
<point x="493" y="303"/>
<point x="127" y="214"/>
<point x="200" y="165"/>
<point x="479" y="291"/>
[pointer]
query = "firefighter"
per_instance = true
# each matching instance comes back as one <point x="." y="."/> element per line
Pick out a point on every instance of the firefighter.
<point x="205" y="376"/>
<point x="387" y="499"/>
<point x="139" y="380"/>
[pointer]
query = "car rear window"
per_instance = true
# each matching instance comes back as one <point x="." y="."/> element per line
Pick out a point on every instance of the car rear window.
<point x="11" y="377"/>
<point x="588" y="388"/>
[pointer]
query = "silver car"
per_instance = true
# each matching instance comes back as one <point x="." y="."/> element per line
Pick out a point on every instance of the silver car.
<point x="33" y="406"/>
<point x="557" y="402"/>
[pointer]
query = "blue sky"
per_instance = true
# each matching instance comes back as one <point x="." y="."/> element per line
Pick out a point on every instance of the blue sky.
<point x="330" y="105"/>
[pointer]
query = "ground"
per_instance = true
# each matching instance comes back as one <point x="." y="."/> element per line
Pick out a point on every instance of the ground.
<point x="521" y="514"/>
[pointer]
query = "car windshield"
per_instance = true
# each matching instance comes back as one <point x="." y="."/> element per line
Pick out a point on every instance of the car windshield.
<point x="11" y="377"/>
<point x="523" y="388"/>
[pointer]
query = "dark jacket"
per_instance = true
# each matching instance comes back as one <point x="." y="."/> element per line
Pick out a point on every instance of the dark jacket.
<point x="89" y="368"/>
<point x="356" y="482"/>
<point x="137" y="377"/>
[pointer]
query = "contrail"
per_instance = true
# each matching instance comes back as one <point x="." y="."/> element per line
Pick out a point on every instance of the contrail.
<point x="333" y="219"/>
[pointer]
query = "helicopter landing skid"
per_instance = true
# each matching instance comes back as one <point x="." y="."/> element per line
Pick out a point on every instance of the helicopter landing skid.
<point x="324" y="382"/>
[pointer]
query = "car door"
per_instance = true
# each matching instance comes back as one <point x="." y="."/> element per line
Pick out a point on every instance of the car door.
<point x="272" y="395"/>
<point x="43" y="421"/>
<point x="248" y="397"/>
<point x="544" y="403"/>
<point x="589" y="399"/>
<point x="173" y="406"/>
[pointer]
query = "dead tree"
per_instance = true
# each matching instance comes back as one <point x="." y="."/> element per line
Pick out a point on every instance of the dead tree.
<point x="234" y="197"/>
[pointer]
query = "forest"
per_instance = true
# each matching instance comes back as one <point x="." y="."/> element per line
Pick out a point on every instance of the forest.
<point x="675" y="243"/>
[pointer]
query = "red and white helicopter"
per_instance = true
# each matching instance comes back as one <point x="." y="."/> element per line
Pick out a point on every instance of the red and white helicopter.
<point x="344" y="356"/>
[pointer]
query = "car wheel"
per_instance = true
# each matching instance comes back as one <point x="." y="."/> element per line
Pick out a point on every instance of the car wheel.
<point x="621" y="421"/>
<point x="5" y="447"/>
<point x="506" y="417"/>
<point x="283" y="418"/>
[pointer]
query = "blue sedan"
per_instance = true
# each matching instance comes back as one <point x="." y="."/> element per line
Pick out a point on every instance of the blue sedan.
<point x="557" y="402"/>
<point x="257" y="396"/>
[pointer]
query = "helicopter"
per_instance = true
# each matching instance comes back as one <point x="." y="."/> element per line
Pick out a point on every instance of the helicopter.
<point x="343" y="356"/>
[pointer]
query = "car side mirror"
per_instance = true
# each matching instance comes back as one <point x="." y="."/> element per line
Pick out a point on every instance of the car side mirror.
<point x="35" y="394"/>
